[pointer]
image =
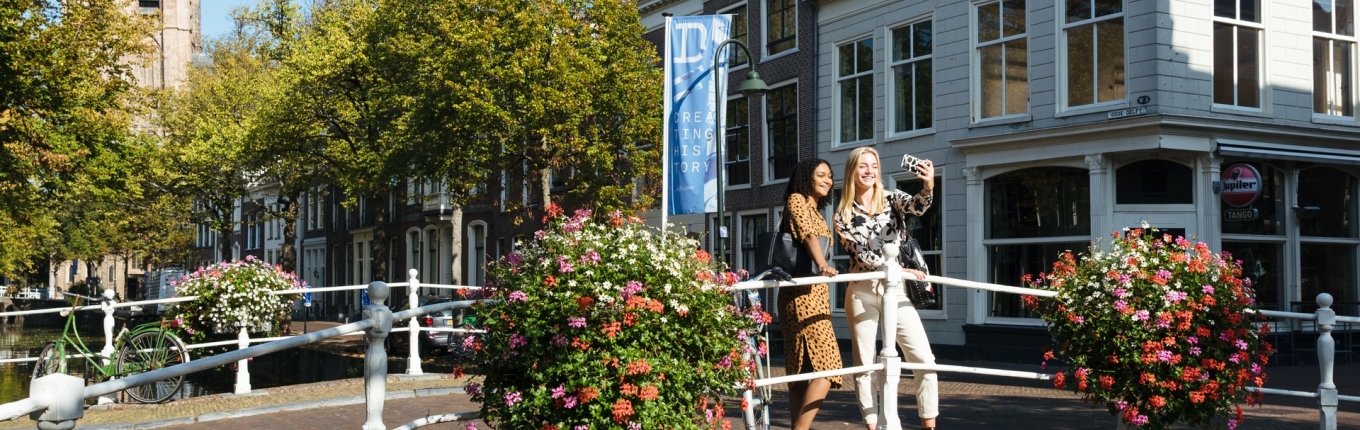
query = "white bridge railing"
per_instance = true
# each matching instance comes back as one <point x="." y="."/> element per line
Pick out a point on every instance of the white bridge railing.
<point x="889" y="365"/>
<point x="59" y="398"/>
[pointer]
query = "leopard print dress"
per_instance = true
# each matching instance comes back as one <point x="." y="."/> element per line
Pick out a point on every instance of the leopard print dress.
<point x="805" y="310"/>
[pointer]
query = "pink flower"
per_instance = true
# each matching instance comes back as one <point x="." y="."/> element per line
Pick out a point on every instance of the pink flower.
<point x="250" y="257"/>
<point x="1207" y="289"/>
<point x="1119" y="305"/>
<point x="590" y="257"/>
<point x="518" y="296"/>
<point x="564" y="266"/>
<point x="1140" y="316"/>
<point x="516" y="341"/>
<point x="471" y="426"/>
<point x="569" y="402"/>
<point x="473" y="388"/>
<point x="512" y="398"/>
<point x="559" y="392"/>
<point x="576" y="322"/>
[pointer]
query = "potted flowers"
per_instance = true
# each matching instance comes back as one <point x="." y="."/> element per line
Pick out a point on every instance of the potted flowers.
<point x="231" y="295"/>
<point x="609" y="325"/>
<point x="1158" y="329"/>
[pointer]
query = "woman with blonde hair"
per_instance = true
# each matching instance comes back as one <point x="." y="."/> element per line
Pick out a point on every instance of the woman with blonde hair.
<point x="867" y="218"/>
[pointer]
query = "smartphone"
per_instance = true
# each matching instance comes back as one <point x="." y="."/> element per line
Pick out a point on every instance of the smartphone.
<point x="912" y="164"/>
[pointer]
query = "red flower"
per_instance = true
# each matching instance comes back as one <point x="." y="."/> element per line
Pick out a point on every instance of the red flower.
<point x="628" y="390"/>
<point x="585" y="302"/>
<point x="650" y="392"/>
<point x="550" y="281"/>
<point x="458" y="371"/>
<point x="1196" y="397"/>
<point x="702" y="255"/>
<point x="1106" y="381"/>
<point x="622" y="410"/>
<point x="554" y="210"/>
<point x="612" y="329"/>
<point x="1059" y="380"/>
<point x="1157" y="401"/>
<point x="588" y="394"/>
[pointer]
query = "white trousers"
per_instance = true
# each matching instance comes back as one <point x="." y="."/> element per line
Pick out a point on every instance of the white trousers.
<point x="863" y="302"/>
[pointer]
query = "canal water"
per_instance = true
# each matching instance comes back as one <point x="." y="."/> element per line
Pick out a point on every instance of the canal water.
<point x="294" y="366"/>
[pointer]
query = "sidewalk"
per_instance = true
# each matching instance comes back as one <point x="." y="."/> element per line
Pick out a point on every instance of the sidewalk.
<point x="971" y="402"/>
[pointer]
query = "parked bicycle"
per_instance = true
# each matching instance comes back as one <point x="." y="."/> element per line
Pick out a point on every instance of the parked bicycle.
<point x="763" y="395"/>
<point x="144" y="348"/>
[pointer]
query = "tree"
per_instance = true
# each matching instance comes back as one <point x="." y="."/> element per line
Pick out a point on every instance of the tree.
<point x="66" y="102"/>
<point x="208" y="121"/>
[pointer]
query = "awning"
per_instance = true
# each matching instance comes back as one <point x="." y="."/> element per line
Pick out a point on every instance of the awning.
<point x="1280" y="151"/>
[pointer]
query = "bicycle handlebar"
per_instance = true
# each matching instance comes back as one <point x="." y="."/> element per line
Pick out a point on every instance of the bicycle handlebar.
<point x="776" y="272"/>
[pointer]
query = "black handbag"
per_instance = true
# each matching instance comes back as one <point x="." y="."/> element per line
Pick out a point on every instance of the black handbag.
<point x="780" y="249"/>
<point x="921" y="293"/>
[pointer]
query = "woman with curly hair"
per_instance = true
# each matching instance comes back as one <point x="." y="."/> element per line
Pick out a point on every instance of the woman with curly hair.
<point x="805" y="310"/>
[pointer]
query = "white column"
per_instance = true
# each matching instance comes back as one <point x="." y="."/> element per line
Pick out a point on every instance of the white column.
<point x="887" y="357"/>
<point x="1210" y="213"/>
<point x="106" y="305"/>
<point x="242" y="368"/>
<point x="1326" y="349"/>
<point x="976" y="207"/>
<point x="413" y="361"/>
<point x="1101" y="193"/>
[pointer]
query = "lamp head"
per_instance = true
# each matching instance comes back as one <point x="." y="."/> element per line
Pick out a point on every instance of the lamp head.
<point x="754" y="85"/>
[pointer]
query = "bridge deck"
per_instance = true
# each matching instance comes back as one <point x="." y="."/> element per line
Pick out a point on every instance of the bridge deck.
<point x="967" y="402"/>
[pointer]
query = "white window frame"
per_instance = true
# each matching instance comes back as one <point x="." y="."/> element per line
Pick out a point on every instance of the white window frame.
<point x="1063" y="86"/>
<point x="765" y="33"/>
<point x="941" y="291"/>
<point x="890" y="81"/>
<point x="975" y="63"/>
<point x="747" y="40"/>
<point x="767" y="137"/>
<point x="1354" y="42"/>
<point x="1262" y="96"/>
<point x="837" y="91"/>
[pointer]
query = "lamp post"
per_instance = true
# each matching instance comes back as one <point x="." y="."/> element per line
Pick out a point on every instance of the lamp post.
<point x="752" y="87"/>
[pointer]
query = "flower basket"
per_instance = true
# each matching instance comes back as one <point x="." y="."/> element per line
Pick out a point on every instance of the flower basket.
<point x="610" y="325"/>
<point x="1156" y="328"/>
<point x="232" y="295"/>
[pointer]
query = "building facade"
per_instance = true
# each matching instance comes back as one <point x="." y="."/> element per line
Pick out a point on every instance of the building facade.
<point x="1053" y="124"/>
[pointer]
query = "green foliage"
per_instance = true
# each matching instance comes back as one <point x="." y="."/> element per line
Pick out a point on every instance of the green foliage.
<point x="66" y="106"/>
<point x="1158" y="329"/>
<point x="231" y="295"/>
<point x="610" y="325"/>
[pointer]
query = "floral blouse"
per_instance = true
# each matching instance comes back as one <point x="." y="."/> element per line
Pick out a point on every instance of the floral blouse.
<point x="864" y="235"/>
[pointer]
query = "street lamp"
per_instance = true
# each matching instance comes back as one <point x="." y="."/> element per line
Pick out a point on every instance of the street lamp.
<point x="752" y="87"/>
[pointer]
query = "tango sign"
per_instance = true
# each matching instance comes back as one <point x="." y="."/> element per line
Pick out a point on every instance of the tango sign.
<point x="1241" y="185"/>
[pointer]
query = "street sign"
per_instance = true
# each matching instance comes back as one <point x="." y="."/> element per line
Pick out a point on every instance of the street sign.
<point x="307" y="299"/>
<point x="363" y="298"/>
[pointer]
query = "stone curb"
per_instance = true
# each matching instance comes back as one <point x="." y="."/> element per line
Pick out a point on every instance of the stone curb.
<point x="338" y="401"/>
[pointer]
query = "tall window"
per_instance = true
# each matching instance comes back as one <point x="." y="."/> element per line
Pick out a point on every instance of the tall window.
<point x="1033" y="215"/>
<point x="855" y="76"/>
<point x="928" y="230"/>
<point x="751" y="228"/>
<point x="737" y="57"/>
<point x="738" y="123"/>
<point x="477" y="258"/>
<point x="1329" y="236"/>
<point x="1094" y="31"/>
<point x="913" y="83"/>
<point x="782" y="32"/>
<point x="1333" y="47"/>
<point x="782" y="120"/>
<point x="1237" y="52"/>
<point x="431" y="257"/>
<point x="1003" y="59"/>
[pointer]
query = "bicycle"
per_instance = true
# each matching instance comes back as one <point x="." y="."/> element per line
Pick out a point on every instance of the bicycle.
<point x="762" y="396"/>
<point x="144" y="348"/>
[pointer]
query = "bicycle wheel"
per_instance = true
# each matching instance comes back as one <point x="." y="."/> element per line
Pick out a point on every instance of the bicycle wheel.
<point x="148" y="351"/>
<point x="49" y="361"/>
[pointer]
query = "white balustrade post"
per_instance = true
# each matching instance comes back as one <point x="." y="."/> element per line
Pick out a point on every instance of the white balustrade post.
<point x="413" y="361"/>
<point x="106" y="304"/>
<point x="1326" y="349"/>
<point x="61" y="396"/>
<point x="375" y="361"/>
<point x="887" y="357"/>
<point x="242" y="368"/>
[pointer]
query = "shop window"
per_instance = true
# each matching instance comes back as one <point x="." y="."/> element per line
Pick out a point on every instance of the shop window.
<point x="1039" y="202"/>
<point x="1154" y="182"/>
<point x="1326" y="268"/>
<point x="928" y="229"/>
<point x="1330" y="191"/>
<point x="1260" y="264"/>
<point x="1269" y="206"/>
<point x="1033" y="215"/>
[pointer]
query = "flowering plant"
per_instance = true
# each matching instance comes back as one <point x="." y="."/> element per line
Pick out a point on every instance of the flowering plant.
<point x="231" y="295"/>
<point x="1157" y="329"/>
<point x="601" y="325"/>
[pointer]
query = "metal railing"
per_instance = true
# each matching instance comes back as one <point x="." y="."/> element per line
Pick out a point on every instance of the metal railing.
<point x="57" y="400"/>
<point x="889" y="365"/>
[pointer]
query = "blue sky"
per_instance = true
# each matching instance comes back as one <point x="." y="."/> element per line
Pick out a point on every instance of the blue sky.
<point x="216" y="18"/>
